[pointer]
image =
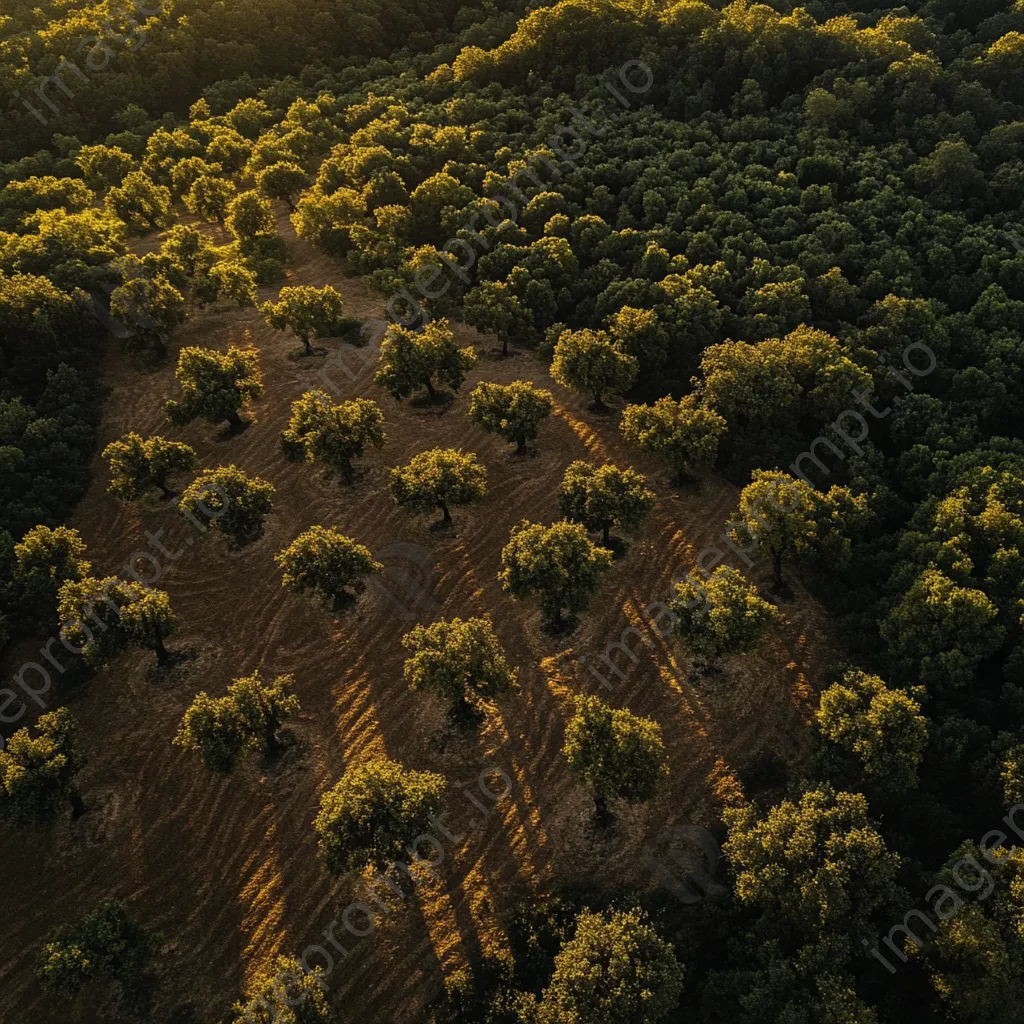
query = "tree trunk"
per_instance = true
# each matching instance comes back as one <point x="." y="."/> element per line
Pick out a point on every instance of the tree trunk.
<point x="521" y="446"/>
<point x="78" y="807"/>
<point x="346" y="470"/>
<point x="463" y="710"/>
<point x="504" y="347"/>
<point x="444" y="508"/>
<point x="602" y="816"/>
<point x="309" y="347"/>
<point x="234" y="419"/>
<point x="291" y="205"/>
<point x="167" y="492"/>
<point x="163" y="657"/>
<point x="430" y="390"/>
<point x="607" y="534"/>
<point x="777" y="569"/>
<point x="271" y="740"/>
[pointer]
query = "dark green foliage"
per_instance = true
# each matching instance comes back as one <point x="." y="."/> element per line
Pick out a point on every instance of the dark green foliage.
<point x="557" y="564"/>
<point x="327" y="563"/>
<point x="617" y="754"/>
<point x="461" y="660"/>
<point x="249" y="716"/>
<point x="437" y="479"/>
<point x="216" y="385"/>
<point x="228" y="500"/>
<point x="105" y="945"/>
<point x="601" y="497"/>
<point x="374" y="813"/>
<point x="37" y="774"/>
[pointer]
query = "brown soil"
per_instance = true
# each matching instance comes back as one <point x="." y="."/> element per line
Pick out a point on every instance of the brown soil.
<point x="227" y="867"/>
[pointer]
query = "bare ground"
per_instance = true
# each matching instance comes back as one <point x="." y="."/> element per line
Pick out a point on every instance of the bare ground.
<point x="227" y="867"/>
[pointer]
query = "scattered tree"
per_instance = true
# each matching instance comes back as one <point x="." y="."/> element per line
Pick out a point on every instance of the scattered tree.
<point x="884" y="729"/>
<point x="461" y="660"/>
<point x="105" y="617"/>
<point x="410" y="360"/>
<point x="45" y="560"/>
<point x="139" y="202"/>
<point x="326" y="562"/>
<point x="37" y="776"/>
<point x="284" y="992"/>
<point x="209" y="197"/>
<point x="105" y="945"/>
<point x="282" y="180"/>
<point x="720" y="616"/>
<point x="138" y="465"/>
<point x="439" y="478"/>
<point x="616" y="969"/>
<point x="332" y="434"/>
<point x="151" y="308"/>
<point x="557" y="563"/>
<point x="817" y="866"/>
<point x="600" y="497"/>
<point x="216" y="384"/>
<point x="230" y="501"/>
<point x="249" y="716"/>
<point x="309" y="313"/>
<point x="684" y="434"/>
<point x="615" y="753"/>
<point x="587" y="361"/>
<point x="372" y="815"/>
<point x="515" y="411"/>
<point x="786" y="515"/>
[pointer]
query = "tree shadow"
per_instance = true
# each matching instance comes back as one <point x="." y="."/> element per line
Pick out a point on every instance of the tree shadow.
<point x="616" y="545"/>
<point x="564" y="627"/>
<point x="686" y="482"/>
<point x="233" y="430"/>
<point x="297" y="355"/>
<point x="439" y="400"/>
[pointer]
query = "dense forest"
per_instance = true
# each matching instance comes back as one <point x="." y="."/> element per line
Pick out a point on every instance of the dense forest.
<point x="783" y="244"/>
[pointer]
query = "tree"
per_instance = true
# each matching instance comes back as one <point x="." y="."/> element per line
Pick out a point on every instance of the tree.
<point x="230" y="501"/>
<point x="588" y="362"/>
<point x="282" y="180"/>
<point x="461" y="660"/>
<point x="249" y="716"/>
<point x="104" y="617"/>
<point x="45" y="560"/>
<point x="151" y="308"/>
<point x="103" y="166"/>
<point x="216" y="384"/>
<point x="139" y="202"/>
<point x="37" y="776"/>
<point x="249" y="215"/>
<point x="615" y="753"/>
<point x="557" y="563"/>
<point x="372" y="815"/>
<point x="439" y="478"/>
<point x="410" y="360"/>
<point x="514" y="411"/>
<point x="233" y="280"/>
<point x="786" y="515"/>
<point x="616" y="969"/>
<point x="1012" y="775"/>
<point x="817" y="867"/>
<point x="723" y="615"/>
<point x="334" y="434"/>
<point x="323" y="560"/>
<point x="684" y="434"/>
<point x="600" y="497"/>
<point x="884" y="729"/>
<point x="284" y="992"/>
<point x="940" y="632"/>
<point x="309" y="312"/>
<point x="105" y="945"/>
<point x="495" y="308"/>
<point x="209" y="197"/>
<point x="138" y="465"/>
